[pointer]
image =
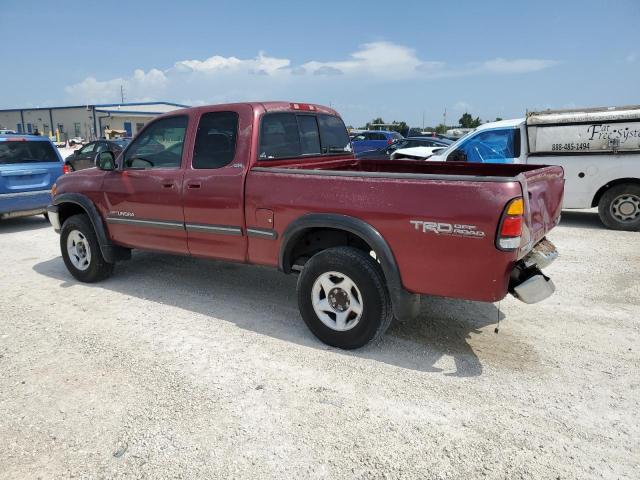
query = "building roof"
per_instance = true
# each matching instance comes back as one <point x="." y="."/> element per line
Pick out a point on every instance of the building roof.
<point x="148" y="108"/>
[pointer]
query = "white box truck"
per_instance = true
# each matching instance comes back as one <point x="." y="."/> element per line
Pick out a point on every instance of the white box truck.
<point x="599" y="149"/>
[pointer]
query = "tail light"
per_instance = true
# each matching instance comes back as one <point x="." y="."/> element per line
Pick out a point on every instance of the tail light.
<point x="66" y="169"/>
<point x="389" y="141"/>
<point x="510" y="230"/>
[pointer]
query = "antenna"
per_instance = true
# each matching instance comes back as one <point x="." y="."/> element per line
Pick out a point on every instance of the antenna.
<point x="121" y="94"/>
<point x="445" y="117"/>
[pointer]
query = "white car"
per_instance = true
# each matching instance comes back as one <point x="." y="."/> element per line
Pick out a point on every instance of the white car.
<point x="415" y="153"/>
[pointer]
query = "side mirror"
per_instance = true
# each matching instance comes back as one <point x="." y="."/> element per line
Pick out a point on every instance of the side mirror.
<point x="106" y="161"/>
<point x="457" y="156"/>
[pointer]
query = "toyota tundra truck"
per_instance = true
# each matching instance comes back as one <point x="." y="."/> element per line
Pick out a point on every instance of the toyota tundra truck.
<point x="277" y="184"/>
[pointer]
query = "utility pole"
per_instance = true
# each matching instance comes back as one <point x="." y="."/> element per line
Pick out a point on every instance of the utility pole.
<point x="445" y="117"/>
<point x="121" y="94"/>
<point x="423" y="120"/>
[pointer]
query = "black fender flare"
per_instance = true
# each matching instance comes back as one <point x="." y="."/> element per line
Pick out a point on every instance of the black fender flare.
<point x="110" y="252"/>
<point x="406" y="305"/>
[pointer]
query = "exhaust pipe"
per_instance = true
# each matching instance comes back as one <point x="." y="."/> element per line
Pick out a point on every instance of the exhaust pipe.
<point x="530" y="285"/>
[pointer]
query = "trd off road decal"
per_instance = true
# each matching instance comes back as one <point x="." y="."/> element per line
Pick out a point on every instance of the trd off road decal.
<point x="449" y="229"/>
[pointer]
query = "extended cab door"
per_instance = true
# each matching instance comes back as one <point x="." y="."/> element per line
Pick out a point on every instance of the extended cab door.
<point x="214" y="184"/>
<point x="144" y="196"/>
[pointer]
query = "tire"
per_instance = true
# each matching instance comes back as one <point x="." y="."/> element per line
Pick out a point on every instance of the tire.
<point x="77" y="230"/>
<point x="619" y="207"/>
<point x="365" y="290"/>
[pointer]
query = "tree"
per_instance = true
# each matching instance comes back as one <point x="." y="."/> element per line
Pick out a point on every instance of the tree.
<point x="467" y="121"/>
<point x="400" y="127"/>
<point x="498" y="119"/>
<point x="442" y="129"/>
<point x="372" y="124"/>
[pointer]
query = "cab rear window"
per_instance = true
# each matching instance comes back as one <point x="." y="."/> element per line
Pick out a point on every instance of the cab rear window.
<point x="290" y="135"/>
<point x="12" y="152"/>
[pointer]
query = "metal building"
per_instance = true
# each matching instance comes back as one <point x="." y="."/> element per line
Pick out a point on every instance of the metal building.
<point x="86" y="121"/>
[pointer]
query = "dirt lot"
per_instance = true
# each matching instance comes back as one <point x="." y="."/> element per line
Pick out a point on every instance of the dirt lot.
<point x="181" y="368"/>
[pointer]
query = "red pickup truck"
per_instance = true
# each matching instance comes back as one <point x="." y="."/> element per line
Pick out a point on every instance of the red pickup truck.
<point x="276" y="184"/>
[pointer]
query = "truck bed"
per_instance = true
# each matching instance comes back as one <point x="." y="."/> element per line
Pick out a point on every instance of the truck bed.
<point x="389" y="195"/>
<point x="407" y="169"/>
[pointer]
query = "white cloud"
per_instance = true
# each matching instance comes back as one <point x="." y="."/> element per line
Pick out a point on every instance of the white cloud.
<point x="631" y="58"/>
<point x="222" y="79"/>
<point x="523" y="65"/>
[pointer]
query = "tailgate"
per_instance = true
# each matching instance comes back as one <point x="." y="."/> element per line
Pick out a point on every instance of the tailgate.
<point x="543" y="189"/>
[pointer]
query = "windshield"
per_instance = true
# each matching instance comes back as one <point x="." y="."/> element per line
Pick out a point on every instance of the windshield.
<point x="455" y="144"/>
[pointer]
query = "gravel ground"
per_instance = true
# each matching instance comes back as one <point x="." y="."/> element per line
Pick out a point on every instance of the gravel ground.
<point x="183" y="368"/>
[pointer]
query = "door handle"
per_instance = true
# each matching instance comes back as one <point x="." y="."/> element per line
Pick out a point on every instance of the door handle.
<point x="194" y="185"/>
<point x="167" y="185"/>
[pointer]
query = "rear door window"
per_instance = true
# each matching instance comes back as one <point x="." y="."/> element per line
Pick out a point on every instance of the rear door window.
<point x="12" y="152"/>
<point x="215" y="145"/>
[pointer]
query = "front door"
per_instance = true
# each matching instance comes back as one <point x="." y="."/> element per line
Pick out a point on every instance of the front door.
<point x="127" y="128"/>
<point x="213" y="186"/>
<point x="144" y="196"/>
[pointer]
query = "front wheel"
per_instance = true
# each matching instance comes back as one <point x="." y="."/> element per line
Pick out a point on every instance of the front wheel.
<point x="343" y="297"/>
<point x="619" y="207"/>
<point x="81" y="250"/>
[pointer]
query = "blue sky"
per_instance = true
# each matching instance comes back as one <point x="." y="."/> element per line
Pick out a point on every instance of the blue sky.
<point x="400" y="60"/>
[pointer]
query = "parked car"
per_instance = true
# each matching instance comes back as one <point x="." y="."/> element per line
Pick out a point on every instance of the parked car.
<point x="415" y="153"/>
<point x="29" y="166"/>
<point x="276" y="184"/>
<point x="5" y="131"/>
<point x="85" y="157"/>
<point x="598" y="148"/>
<point x="373" y="140"/>
<point x="387" y="151"/>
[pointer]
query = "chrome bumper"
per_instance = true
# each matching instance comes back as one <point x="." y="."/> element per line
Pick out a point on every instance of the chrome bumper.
<point x="527" y="283"/>
<point x="54" y="218"/>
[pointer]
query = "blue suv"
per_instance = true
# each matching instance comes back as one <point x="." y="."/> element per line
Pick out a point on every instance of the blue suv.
<point x="373" y="140"/>
<point x="29" y="166"/>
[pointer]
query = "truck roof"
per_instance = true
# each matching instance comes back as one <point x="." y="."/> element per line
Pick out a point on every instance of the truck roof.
<point x="501" y="123"/>
<point x="584" y="115"/>
<point x="270" y="106"/>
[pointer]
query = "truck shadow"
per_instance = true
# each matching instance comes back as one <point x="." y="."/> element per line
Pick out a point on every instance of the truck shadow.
<point x="581" y="219"/>
<point x="23" y="224"/>
<point x="263" y="300"/>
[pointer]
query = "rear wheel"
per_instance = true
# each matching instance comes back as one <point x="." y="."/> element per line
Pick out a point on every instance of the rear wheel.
<point x="619" y="207"/>
<point x="343" y="298"/>
<point x="81" y="250"/>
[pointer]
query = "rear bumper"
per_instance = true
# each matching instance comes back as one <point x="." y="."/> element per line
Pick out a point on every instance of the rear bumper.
<point x="527" y="282"/>
<point x="17" y="204"/>
<point x="54" y="217"/>
<point x="22" y="213"/>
